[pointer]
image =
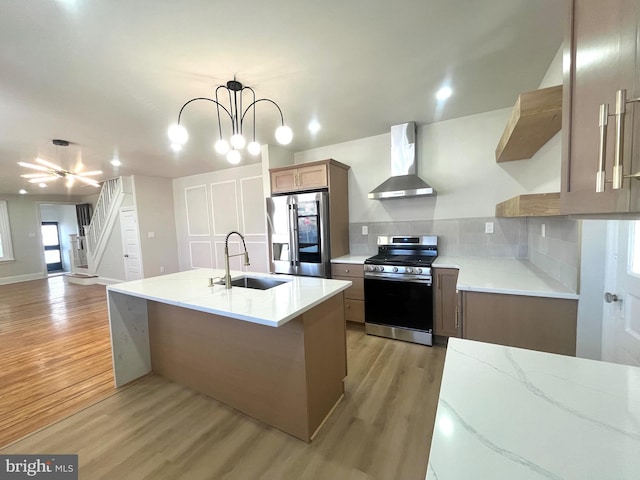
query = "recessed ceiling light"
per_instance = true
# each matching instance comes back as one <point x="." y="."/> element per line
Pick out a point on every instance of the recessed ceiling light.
<point x="444" y="93"/>
<point x="314" y="126"/>
<point x="115" y="162"/>
<point x="22" y="191"/>
<point x="42" y="185"/>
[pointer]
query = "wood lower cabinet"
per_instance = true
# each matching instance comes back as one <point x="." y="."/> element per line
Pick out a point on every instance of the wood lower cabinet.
<point x="354" y="295"/>
<point x="446" y="321"/>
<point x="600" y="48"/>
<point x="536" y="323"/>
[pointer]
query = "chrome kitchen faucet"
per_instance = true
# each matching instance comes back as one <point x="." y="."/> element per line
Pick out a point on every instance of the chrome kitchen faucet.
<point x="227" y="276"/>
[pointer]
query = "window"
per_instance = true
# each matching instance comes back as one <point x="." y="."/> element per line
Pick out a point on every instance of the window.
<point x="6" y="250"/>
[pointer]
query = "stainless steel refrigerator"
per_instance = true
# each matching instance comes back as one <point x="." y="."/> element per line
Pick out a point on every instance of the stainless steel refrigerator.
<point x="298" y="227"/>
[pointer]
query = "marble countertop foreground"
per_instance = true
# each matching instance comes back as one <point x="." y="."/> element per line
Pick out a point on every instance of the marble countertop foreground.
<point x="272" y="307"/>
<point x="509" y="413"/>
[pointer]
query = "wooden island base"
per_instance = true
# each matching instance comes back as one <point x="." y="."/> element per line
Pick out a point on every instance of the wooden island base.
<point x="290" y="377"/>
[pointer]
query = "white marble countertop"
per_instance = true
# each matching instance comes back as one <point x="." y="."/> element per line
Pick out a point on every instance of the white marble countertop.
<point x="272" y="307"/>
<point x="503" y="275"/>
<point x="509" y="413"/>
<point x="350" y="259"/>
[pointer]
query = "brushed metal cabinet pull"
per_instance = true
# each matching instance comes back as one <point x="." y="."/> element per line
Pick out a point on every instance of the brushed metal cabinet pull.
<point x="621" y="102"/>
<point x="602" y="151"/>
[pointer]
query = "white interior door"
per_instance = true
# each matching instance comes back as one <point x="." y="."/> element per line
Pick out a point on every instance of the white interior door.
<point x="131" y="244"/>
<point x="621" y="314"/>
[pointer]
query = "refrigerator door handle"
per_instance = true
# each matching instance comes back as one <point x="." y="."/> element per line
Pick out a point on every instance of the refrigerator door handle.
<point x="292" y="237"/>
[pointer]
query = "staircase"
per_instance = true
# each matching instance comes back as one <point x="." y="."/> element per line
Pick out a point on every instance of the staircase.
<point x="97" y="233"/>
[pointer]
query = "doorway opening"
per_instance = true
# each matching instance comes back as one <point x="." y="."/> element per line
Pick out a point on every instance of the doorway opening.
<point x="51" y="243"/>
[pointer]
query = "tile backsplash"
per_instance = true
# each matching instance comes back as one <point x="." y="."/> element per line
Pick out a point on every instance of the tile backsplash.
<point x="556" y="253"/>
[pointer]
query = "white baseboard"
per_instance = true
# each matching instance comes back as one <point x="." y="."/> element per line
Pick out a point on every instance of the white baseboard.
<point x="108" y="281"/>
<point x="22" y="278"/>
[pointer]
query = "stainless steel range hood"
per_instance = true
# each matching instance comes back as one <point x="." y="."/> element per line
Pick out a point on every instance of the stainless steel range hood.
<point x="404" y="181"/>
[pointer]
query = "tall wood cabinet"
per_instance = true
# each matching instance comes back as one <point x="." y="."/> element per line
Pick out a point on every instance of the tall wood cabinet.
<point x="329" y="174"/>
<point x="603" y="58"/>
<point x="446" y="321"/>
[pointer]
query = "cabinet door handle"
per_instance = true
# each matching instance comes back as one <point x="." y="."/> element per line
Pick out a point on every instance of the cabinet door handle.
<point x="602" y="151"/>
<point x="457" y="317"/>
<point x="621" y="102"/>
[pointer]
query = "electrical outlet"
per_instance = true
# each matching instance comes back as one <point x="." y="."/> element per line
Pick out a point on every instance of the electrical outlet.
<point x="31" y="235"/>
<point x="151" y="234"/>
<point x="161" y="269"/>
<point x="488" y="227"/>
<point x="543" y="230"/>
<point x="365" y="230"/>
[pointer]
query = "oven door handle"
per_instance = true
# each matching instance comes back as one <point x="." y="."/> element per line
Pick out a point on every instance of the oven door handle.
<point x="392" y="278"/>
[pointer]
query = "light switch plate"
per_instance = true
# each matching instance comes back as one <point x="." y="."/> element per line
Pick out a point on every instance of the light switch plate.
<point x="365" y="230"/>
<point x="151" y="234"/>
<point x="543" y="230"/>
<point x="488" y="227"/>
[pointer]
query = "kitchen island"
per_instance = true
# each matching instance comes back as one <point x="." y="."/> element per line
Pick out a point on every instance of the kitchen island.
<point x="278" y="355"/>
<point x="505" y="412"/>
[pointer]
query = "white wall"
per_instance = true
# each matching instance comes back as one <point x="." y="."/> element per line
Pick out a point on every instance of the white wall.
<point x="153" y="199"/>
<point x="210" y="205"/>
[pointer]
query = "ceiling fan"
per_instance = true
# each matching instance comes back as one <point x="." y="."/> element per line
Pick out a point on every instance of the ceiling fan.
<point x="48" y="171"/>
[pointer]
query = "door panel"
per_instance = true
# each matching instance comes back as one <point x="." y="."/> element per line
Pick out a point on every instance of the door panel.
<point x="51" y="243"/>
<point x="131" y="245"/>
<point x="621" y="315"/>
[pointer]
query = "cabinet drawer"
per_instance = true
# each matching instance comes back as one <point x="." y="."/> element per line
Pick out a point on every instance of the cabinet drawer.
<point x="354" y="310"/>
<point x="347" y="270"/>
<point x="356" y="290"/>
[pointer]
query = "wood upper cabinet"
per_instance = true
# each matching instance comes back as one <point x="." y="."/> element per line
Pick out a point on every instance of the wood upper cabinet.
<point x="446" y="321"/>
<point x="601" y="49"/>
<point x="328" y="174"/>
<point x="354" y="295"/>
<point x="293" y="179"/>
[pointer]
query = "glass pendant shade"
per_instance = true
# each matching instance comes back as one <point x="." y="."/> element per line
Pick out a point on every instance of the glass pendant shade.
<point x="233" y="157"/>
<point x="284" y="135"/>
<point x="238" y="141"/>
<point x="253" y="148"/>
<point x="222" y="146"/>
<point x="178" y="134"/>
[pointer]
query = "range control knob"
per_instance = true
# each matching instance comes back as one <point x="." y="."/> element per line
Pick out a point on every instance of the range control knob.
<point x="368" y="268"/>
<point x="395" y="269"/>
<point x="409" y="270"/>
<point x="419" y="271"/>
<point x="381" y="268"/>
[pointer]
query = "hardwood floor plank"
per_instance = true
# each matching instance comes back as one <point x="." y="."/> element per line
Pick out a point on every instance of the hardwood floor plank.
<point x="55" y="353"/>
<point x="156" y="429"/>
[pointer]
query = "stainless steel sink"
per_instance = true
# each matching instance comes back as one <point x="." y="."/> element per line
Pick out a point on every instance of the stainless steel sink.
<point x="258" y="283"/>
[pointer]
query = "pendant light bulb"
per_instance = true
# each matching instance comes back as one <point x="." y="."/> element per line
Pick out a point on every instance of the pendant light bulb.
<point x="284" y="135"/>
<point x="176" y="147"/>
<point x="253" y="148"/>
<point x="233" y="157"/>
<point x="178" y="134"/>
<point x="238" y="141"/>
<point x="222" y="146"/>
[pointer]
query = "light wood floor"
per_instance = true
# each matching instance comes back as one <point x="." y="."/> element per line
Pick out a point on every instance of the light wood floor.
<point x="155" y="429"/>
<point x="55" y="353"/>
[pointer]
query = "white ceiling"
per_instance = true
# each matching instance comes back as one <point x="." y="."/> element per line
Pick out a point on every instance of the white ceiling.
<point x="110" y="76"/>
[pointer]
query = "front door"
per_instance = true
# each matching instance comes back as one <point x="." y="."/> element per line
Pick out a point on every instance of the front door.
<point x="130" y="244"/>
<point x="51" y="243"/>
<point x="621" y="314"/>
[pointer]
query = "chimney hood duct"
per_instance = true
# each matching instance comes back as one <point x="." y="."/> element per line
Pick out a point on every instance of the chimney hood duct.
<point x="404" y="181"/>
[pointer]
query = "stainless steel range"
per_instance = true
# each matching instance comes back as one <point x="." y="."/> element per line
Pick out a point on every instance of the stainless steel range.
<point x="398" y="296"/>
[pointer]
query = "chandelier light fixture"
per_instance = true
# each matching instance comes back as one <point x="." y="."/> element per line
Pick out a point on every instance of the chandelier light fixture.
<point x="236" y="141"/>
<point x="48" y="171"/>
